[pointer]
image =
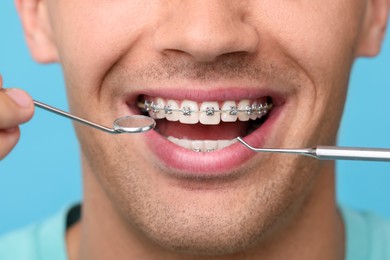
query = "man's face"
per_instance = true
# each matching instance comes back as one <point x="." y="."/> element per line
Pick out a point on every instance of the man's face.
<point x="294" y="55"/>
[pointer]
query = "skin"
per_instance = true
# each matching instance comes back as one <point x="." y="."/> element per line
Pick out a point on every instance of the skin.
<point x="280" y="207"/>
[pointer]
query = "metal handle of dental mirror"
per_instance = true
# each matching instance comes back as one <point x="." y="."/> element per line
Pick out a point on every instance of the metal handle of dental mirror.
<point x="331" y="152"/>
<point x="127" y="124"/>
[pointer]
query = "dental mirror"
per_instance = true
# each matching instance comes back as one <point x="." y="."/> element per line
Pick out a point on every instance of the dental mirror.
<point x="127" y="124"/>
<point x="134" y="124"/>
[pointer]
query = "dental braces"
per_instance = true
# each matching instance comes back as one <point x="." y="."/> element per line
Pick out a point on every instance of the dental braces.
<point x="257" y="109"/>
<point x="198" y="150"/>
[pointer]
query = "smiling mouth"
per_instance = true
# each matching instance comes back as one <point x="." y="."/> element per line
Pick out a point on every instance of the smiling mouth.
<point x="208" y="126"/>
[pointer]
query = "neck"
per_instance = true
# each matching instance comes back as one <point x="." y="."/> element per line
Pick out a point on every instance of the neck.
<point x="316" y="232"/>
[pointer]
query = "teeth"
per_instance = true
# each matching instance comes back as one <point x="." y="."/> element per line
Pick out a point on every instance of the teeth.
<point x="225" y="143"/>
<point x="210" y="146"/>
<point x="207" y="113"/>
<point x="202" y="145"/>
<point x="189" y="109"/>
<point x="160" y="104"/>
<point x="231" y="111"/>
<point x="244" y="105"/>
<point x="171" y="111"/>
<point x="185" y="143"/>
<point x="209" y="117"/>
<point x="253" y="116"/>
<point x="197" y="146"/>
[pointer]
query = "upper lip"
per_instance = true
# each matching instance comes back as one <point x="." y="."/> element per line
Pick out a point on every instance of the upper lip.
<point x="211" y="94"/>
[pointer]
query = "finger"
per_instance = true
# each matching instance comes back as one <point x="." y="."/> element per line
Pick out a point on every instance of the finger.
<point x="8" y="140"/>
<point x="16" y="107"/>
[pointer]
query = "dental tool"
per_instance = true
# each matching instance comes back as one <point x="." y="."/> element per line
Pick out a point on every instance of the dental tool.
<point x="331" y="152"/>
<point x="127" y="124"/>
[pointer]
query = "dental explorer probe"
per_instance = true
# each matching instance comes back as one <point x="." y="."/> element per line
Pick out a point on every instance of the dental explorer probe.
<point x="127" y="124"/>
<point x="331" y="152"/>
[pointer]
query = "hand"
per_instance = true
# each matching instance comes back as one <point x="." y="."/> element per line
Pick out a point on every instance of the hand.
<point x="16" y="107"/>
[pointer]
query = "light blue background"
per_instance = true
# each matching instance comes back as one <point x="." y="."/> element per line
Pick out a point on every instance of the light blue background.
<point x="42" y="174"/>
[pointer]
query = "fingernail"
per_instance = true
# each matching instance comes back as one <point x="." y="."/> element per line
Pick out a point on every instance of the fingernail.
<point x="19" y="96"/>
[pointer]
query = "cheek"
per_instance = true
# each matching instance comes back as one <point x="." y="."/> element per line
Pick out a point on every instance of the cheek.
<point x="96" y="36"/>
<point x="319" y="35"/>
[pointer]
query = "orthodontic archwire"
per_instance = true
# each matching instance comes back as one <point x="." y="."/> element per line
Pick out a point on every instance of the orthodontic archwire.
<point x="260" y="109"/>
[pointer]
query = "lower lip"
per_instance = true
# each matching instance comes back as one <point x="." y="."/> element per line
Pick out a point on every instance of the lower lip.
<point x="214" y="164"/>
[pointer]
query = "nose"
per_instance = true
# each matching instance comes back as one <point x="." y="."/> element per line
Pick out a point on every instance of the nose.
<point x="205" y="29"/>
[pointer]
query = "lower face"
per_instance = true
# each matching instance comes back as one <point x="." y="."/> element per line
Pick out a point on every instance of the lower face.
<point x="187" y="184"/>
